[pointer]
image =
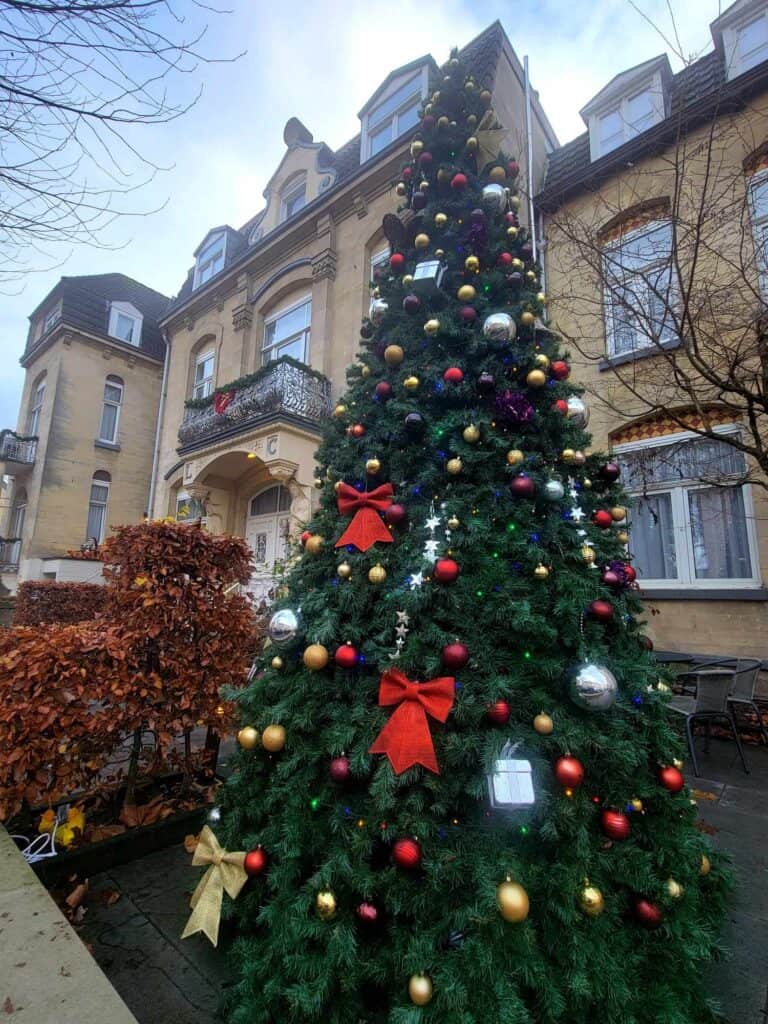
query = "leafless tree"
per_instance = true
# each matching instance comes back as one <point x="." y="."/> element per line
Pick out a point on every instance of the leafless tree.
<point x="78" y="79"/>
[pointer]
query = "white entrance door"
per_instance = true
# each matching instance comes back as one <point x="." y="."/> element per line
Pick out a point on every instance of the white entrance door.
<point x="266" y="531"/>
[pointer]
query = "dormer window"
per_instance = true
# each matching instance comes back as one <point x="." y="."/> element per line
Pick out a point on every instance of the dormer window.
<point x="125" y="323"/>
<point x="393" y="112"/>
<point x="294" y="199"/>
<point x="631" y="117"/>
<point x="210" y="259"/>
<point x="746" y="43"/>
<point x="52" y="317"/>
<point x="629" y="105"/>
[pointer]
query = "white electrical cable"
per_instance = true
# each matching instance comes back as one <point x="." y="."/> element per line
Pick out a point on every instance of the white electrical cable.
<point x="37" y="849"/>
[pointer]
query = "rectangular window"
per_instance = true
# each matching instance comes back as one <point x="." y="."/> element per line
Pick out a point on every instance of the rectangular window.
<point x="188" y="508"/>
<point x="758" y="210"/>
<point x="751" y="44"/>
<point x="35" y="409"/>
<point x="97" y="511"/>
<point x="294" y="200"/>
<point x="631" y="116"/>
<point x="52" y="318"/>
<point x="204" y="367"/>
<point x="611" y="131"/>
<point x="685" y="530"/>
<point x="287" y="334"/>
<point x="124" y="327"/>
<point x="394" y="115"/>
<point x="210" y="260"/>
<point x="640" y="112"/>
<point x="639" y="292"/>
<point x="110" y="412"/>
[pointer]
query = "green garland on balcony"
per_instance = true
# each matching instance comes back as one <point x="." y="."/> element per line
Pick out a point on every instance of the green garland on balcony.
<point x="252" y="378"/>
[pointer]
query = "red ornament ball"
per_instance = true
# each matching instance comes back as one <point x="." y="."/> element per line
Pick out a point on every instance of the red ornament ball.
<point x="407" y="173"/>
<point x="305" y="537"/>
<point x="383" y="390"/>
<point x="446" y="570"/>
<point x="513" y="169"/>
<point x="367" y="913"/>
<point x="397" y="262"/>
<point x="629" y="573"/>
<point x="569" y="771"/>
<point x="396" y="514"/>
<point x="425" y="158"/>
<point x="468" y="314"/>
<point x="510" y="219"/>
<point x="646" y="642"/>
<point x="601" y="610"/>
<point x="499" y="712"/>
<point x="522" y="486"/>
<point x="615" y="824"/>
<point x="504" y="259"/>
<point x="648" y="914"/>
<point x="611" y="579"/>
<point x="453" y="375"/>
<point x="671" y="778"/>
<point x="411" y="304"/>
<point x="427" y="122"/>
<point x="406" y="853"/>
<point x="346" y="656"/>
<point x="459" y="182"/>
<point x="559" y="369"/>
<point x="358" y="430"/>
<point x="610" y="472"/>
<point x="455" y="656"/>
<point x="560" y="406"/>
<point x="339" y="769"/>
<point x="255" y="862"/>
<point x="602" y="518"/>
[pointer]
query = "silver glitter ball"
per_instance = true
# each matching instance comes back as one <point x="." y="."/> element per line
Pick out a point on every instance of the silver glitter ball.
<point x="593" y="687"/>
<point x="213" y="816"/>
<point x="494" y="198"/>
<point x="283" y="628"/>
<point x="379" y="309"/>
<point x="499" y="327"/>
<point x="553" y="490"/>
<point x="578" y="411"/>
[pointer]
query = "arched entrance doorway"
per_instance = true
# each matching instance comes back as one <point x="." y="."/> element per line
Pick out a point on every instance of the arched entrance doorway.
<point x="267" y="528"/>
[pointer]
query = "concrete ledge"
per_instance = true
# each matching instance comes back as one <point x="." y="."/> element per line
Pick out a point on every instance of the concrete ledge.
<point x="46" y="973"/>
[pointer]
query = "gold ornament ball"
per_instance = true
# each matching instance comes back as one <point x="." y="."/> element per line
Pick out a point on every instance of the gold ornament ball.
<point x="420" y="989"/>
<point x="543" y="724"/>
<point x="512" y="232"/>
<point x="472" y="144"/>
<point x="485" y="97"/>
<point x="618" y="514"/>
<point x="591" y="900"/>
<point x="366" y="371"/>
<point x="344" y="570"/>
<point x="443" y="122"/>
<point x="674" y="889"/>
<point x="678" y="763"/>
<point x="454" y="523"/>
<point x="248" y="737"/>
<point x="431" y="327"/>
<point x="393" y="355"/>
<point x="339" y="410"/>
<point x="314" y="544"/>
<point x="466" y="293"/>
<point x="315" y="657"/>
<point x="411" y="383"/>
<point x="416" y="147"/>
<point x="441" y="219"/>
<point x="622" y="537"/>
<point x="542" y="361"/>
<point x="536" y="379"/>
<point x="588" y="554"/>
<point x="530" y="275"/>
<point x="325" y="905"/>
<point x="567" y="454"/>
<point x="435" y="97"/>
<point x="541" y="572"/>
<point x="541" y="297"/>
<point x="706" y="865"/>
<point x="527" y="319"/>
<point x="277" y="663"/>
<point x="407" y="280"/>
<point x="318" y="482"/>
<point x="454" y="466"/>
<point x="372" y="466"/>
<point x="637" y="804"/>
<point x="471" y="121"/>
<point x="512" y="901"/>
<point x="515" y="457"/>
<point x="514" y="202"/>
<point x="471" y="434"/>
<point x="423" y="185"/>
<point x="472" y="264"/>
<point x="443" y="176"/>
<point x="517" y="263"/>
<point x="377" y="574"/>
<point x="439" y="253"/>
<point x="421" y="241"/>
<point x="587" y="483"/>
<point x="400" y="188"/>
<point x="497" y="175"/>
<point x="273" y="738"/>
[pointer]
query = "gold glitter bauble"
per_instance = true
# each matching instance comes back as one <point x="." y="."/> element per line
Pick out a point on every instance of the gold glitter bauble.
<point x="339" y="410"/>
<point x="515" y="457"/>
<point x="543" y="724"/>
<point x="393" y="355"/>
<point x="466" y="293"/>
<point x="273" y="738"/>
<point x="618" y="514"/>
<point x="441" y="219"/>
<point x="512" y="232"/>
<point x="542" y="361"/>
<point x="527" y="319"/>
<point x="416" y="147"/>
<point x="454" y="466"/>
<point x="471" y="144"/>
<point x="622" y="537"/>
<point x="591" y="900"/>
<point x="407" y="280"/>
<point x="421" y="241"/>
<point x="454" y="523"/>
<point x="377" y="574"/>
<point x="588" y="554"/>
<point x="248" y="737"/>
<point x="497" y="175"/>
<point x="472" y="264"/>
<point x="315" y="657"/>
<point x="471" y="434"/>
<point x="411" y="383"/>
<point x="325" y="905"/>
<point x="536" y="379"/>
<point x="372" y="466"/>
<point x="706" y="865"/>
<point x="365" y="372"/>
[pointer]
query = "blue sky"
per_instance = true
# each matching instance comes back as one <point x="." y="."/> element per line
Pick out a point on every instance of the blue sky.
<point x="320" y="62"/>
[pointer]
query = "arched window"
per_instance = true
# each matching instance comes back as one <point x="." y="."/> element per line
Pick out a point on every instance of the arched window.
<point x="286" y="332"/>
<point x="268" y="526"/>
<point x="274" y="499"/>
<point x="97" y="507"/>
<point x="110" y="409"/>
<point x="35" y="406"/>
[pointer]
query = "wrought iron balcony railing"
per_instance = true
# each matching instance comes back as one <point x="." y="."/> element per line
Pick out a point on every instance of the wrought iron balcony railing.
<point x="15" y="448"/>
<point x="10" y="550"/>
<point x="283" y="387"/>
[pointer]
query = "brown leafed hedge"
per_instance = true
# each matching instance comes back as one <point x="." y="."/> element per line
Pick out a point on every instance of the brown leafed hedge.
<point x="47" y="601"/>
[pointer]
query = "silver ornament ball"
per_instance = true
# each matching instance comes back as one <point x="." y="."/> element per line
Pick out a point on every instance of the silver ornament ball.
<point x="379" y="309"/>
<point x="553" y="490"/>
<point x="494" y="198"/>
<point x="213" y="817"/>
<point x="283" y="628"/>
<point x="578" y="411"/>
<point x="593" y="687"/>
<point x="499" y="327"/>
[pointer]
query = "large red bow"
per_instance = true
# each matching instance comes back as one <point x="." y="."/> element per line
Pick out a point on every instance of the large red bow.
<point x="366" y="528"/>
<point x="406" y="739"/>
<point x="221" y="400"/>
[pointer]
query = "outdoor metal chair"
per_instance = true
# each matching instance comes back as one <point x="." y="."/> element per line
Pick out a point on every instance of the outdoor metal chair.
<point x="742" y="695"/>
<point x="711" y="704"/>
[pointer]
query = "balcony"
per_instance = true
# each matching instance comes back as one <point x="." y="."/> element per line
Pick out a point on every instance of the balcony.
<point x="17" y="451"/>
<point x="10" y="550"/>
<point x="282" y="390"/>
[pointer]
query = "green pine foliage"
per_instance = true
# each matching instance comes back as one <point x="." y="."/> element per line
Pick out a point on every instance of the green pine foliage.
<point x="524" y="635"/>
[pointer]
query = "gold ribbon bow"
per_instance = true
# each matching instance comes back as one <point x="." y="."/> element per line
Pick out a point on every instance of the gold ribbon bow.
<point x="226" y="872"/>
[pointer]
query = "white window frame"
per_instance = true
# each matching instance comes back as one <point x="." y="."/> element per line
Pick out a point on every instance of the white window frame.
<point x="185" y="499"/>
<point x="35" y="409"/>
<point x="125" y="309"/>
<point x="111" y="382"/>
<point x="203" y="387"/>
<point x="620" y="104"/>
<point x="735" y="65"/>
<point x="52" y="317"/>
<point x="759" y="227"/>
<point x="678" y="490"/>
<point x="290" y="194"/>
<point x="306" y="332"/>
<point x="380" y="258"/>
<point x="102" y="505"/>
<point x="643" y="341"/>
<point x="420" y="78"/>
<point x="206" y="259"/>
<point x="18" y="515"/>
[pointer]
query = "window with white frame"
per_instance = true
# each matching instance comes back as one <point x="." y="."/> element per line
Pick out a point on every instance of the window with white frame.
<point x="631" y="116"/>
<point x="125" y="323"/>
<point x="97" y="508"/>
<point x="18" y="514"/>
<point x="293" y="199"/>
<point x="52" y="317"/>
<point x="639" y="293"/>
<point x="188" y="508"/>
<point x="393" y="115"/>
<point x="689" y="527"/>
<point x="287" y="333"/>
<point x="210" y="259"/>
<point x="379" y="261"/>
<point x="746" y="43"/>
<point x="110" y="409"/>
<point x="758" y="211"/>
<point x="36" y="408"/>
<point x="205" y="365"/>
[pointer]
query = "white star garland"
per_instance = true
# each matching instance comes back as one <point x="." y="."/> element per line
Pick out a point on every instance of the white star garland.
<point x="401" y="629"/>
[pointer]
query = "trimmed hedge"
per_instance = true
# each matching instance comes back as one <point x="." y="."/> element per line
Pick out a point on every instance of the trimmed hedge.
<point x="46" y="601"/>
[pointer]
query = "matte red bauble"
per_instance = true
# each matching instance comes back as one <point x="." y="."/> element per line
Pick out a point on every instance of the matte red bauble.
<point x="305" y="537"/>
<point x="446" y="570"/>
<point x="459" y="182"/>
<point x="615" y="824"/>
<point x="560" y="406"/>
<point x="339" y="769"/>
<point x="346" y="656"/>
<point x="418" y="200"/>
<point x="609" y="472"/>
<point x="648" y="914"/>
<point x="455" y="656"/>
<point x="486" y="383"/>
<point x="396" y="514"/>
<point x="504" y="259"/>
<point x="602" y="518"/>
<point x="427" y="122"/>
<point x="255" y="862"/>
<point x="559" y="369"/>
<point x="367" y="913"/>
<point x="611" y="579"/>
<point x="411" y="304"/>
<point x="629" y="574"/>
<point x="357" y="430"/>
<point x="383" y="390"/>
<point x="425" y="158"/>
<point x="406" y="853"/>
<point x="397" y="262"/>
<point x="671" y="778"/>
<point x="646" y="642"/>
<point x="498" y="712"/>
<point x="513" y="169"/>
<point x="453" y="375"/>
<point x="569" y="771"/>
<point x="407" y="173"/>
<point x="510" y="219"/>
<point x="468" y="314"/>
<point x="522" y="486"/>
<point x="601" y="610"/>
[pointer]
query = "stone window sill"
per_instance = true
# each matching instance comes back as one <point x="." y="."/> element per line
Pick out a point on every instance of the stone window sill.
<point x="696" y="594"/>
<point x="640" y="353"/>
<point x="106" y="444"/>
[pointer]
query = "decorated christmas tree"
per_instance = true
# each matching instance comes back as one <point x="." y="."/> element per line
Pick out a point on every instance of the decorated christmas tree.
<point x="459" y="791"/>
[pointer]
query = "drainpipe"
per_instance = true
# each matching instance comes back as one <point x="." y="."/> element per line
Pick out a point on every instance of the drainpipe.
<point x="529" y="138"/>
<point x="158" y="429"/>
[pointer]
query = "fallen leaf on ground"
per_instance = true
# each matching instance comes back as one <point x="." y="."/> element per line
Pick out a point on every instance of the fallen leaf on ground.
<point x="77" y="895"/>
<point x="109" y="896"/>
<point x="702" y="794"/>
<point x="134" y="815"/>
<point x="702" y="826"/>
<point x="101" y="832"/>
<point x="8" y="1006"/>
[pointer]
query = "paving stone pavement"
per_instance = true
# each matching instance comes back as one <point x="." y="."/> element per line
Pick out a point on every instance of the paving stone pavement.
<point x="136" y="940"/>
